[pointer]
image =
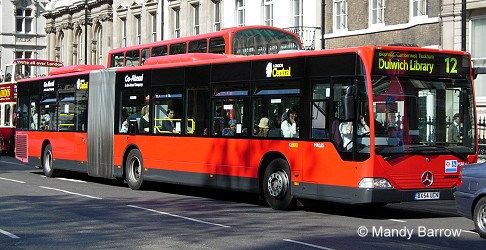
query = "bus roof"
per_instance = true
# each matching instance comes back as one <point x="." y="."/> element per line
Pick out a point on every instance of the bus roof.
<point x="75" y="68"/>
<point x="230" y="30"/>
<point x="184" y="58"/>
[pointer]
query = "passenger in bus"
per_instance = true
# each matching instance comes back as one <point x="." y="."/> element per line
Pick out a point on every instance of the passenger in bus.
<point x="231" y="131"/>
<point x="144" y="120"/>
<point x="170" y="125"/>
<point x="45" y="119"/>
<point x="454" y="132"/>
<point x="263" y="127"/>
<point x="276" y="130"/>
<point x="346" y="129"/>
<point x="289" y="124"/>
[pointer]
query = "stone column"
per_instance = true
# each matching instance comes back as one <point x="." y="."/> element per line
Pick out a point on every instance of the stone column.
<point x="69" y="40"/>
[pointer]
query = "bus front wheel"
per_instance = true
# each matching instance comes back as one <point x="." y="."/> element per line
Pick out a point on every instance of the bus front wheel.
<point x="276" y="185"/>
<point x="134" y="170"/>
<point x="47" y="160"/>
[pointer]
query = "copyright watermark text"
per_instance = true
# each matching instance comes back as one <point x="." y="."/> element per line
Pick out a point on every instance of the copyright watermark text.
<point x="407" y="232"/>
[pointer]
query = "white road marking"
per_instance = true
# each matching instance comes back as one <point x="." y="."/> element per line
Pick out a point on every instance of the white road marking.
<point x="397" y="220"/>
<point x="307" y="244"/>
<point x="73" y="180"/>
<point x="11" y="235"/>
<point x="20" y="164"/>
<point x="6" y="179"/>
<point x="178" y="216"/>
<point x="68" y="192"/>
<point x="468" y="231"/>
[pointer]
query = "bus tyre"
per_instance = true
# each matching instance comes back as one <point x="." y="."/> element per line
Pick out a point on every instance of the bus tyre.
<point x="479" y="217"/>
<point x="276" y="185"/>
<point x="134" y="170"/>
<point x="47" y="160"/>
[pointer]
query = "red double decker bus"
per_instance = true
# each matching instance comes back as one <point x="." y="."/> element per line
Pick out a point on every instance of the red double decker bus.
<point x="247" y="40"/>
<point x="17" y="70"/>
<point x="365" y="125"/>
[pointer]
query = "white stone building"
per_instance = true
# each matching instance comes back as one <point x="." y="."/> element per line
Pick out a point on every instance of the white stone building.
<point x="22" y="33"/>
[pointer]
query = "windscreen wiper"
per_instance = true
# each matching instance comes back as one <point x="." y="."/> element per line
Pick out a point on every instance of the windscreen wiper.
<point x="455" y="153"/>
<point x="394" y="156"/>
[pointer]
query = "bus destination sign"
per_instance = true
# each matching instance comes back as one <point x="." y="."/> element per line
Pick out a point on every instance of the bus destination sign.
<point x="393" y="62"/>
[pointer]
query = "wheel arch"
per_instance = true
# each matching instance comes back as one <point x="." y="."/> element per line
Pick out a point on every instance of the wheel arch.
<point x="476" y="200"/>
<point x="264" y="162"/>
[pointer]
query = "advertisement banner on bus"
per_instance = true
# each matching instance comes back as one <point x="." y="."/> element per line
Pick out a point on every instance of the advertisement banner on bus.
<point x="7" y="92"/>
<point x="392" y="62"/>
<point x="38" y="62"/>
<point x="281" y="69"/>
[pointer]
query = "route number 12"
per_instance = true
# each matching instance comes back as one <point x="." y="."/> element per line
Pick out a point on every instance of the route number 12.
<point x="451" y="64"/>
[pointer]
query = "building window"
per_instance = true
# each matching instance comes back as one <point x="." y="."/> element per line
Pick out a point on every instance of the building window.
<point x="153" y="17"/>
<point x="240" y="13"/>
<point x="297" y="12"/>
<point x="60" y="48"/>
<point x="377" y="11"/>
<point x="80" y="48"/>
<point x="419" y="8"/>
<point x="195" y="18"/>
<point x="268" y="12"/>
<point x="340" y="14"/>
<point x="25" y="70"/>
<point x="478" y="29"/>
<point x="124" y="32"/>
<point x="217" y="16"/>
<point x="23" y="20"/>
<point x="139" y="29"/>
<point x="99" y="45"/>
<point x="177" y="27"/>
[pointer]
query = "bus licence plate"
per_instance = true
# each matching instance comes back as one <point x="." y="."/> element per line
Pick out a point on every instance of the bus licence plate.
<point x="427" y="196"/>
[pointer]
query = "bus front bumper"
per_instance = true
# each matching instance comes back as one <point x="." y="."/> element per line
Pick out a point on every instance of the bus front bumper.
<point x="390" y="195"/>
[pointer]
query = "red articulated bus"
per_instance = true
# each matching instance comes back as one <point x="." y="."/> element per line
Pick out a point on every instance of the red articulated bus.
<point x="17" y="70"/>
<point x="247" y="40"/>
<point x="364" y="125"/>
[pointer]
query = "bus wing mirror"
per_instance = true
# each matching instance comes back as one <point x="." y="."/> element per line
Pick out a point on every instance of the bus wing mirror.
<point x="349" y="104"/>
<point x="478" y="70"/>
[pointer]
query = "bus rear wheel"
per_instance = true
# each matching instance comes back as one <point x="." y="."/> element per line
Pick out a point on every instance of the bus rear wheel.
<point x="134" y="170"/>
<point x="47" y="160"/>
<point x="276" y="185"/>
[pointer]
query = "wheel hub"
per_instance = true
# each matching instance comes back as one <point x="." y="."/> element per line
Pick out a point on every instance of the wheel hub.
<point x="277" y="184"/>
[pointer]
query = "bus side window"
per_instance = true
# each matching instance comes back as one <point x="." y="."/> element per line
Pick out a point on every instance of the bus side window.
<point x="159" y="51"/>
<point x="217" y="45"/>
<point x="321" y="97"/>
<point x="198" y="46"/>
<point x="177" y="48"/>
<point x="145" y="55"/>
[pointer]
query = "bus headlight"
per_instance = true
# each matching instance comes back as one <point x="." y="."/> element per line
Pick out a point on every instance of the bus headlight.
<point x="374" y="183"/>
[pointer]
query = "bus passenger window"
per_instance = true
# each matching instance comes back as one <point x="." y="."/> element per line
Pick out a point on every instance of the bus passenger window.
<point x="133" y="58"/>
<point x="177" y="48"/>
<point x="321" y="97"/>
<point x="7" y="115"/>
<point x="145" y="55"/>
<point x="198" y="46"/>
<point x="217" y="45"/>
<point x="159" y="51"/>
